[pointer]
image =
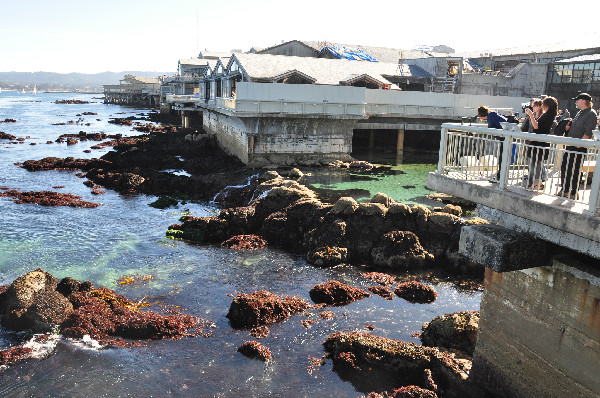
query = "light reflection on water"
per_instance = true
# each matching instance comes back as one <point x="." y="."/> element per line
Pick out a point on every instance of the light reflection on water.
<point x="126" y="236"/>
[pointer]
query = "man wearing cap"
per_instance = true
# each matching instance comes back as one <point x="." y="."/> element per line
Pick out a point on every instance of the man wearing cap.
<point x="581" y="127"/>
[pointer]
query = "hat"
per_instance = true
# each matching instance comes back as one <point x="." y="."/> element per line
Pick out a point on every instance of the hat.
<point x="584" y="96"/>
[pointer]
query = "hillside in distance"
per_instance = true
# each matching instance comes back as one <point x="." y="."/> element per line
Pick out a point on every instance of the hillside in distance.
<point x="49" y="81"/>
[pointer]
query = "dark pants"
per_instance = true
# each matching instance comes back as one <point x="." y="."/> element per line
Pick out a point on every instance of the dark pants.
<point x="570" y="168"/>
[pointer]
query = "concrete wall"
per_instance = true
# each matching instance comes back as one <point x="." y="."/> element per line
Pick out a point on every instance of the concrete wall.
<point x="539" y="332"/>
<point x="282" y="141"/>
<point x="529" y="81"/>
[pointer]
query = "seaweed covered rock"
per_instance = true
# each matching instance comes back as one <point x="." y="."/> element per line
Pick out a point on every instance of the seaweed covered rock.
<point x="336" y="293"/>
<point x="363" y="229"/>
<point x="104" y="315"/>
<point x="400" y="249"/>
<point x="404" y="392"/>
<point x="327" y="256"/>
<point x="245" y="242"/>
<point x="457" y="330"/>
<point x="164" y="202"/>
<point x="375" y="363"/>
<point x="416" y="292"/>
<point x="382" y="291"/>
<point x="262" y="308"/>
<point x="255" y="350"/>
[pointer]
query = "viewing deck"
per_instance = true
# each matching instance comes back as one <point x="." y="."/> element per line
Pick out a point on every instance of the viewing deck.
<point x="468" y="168"/>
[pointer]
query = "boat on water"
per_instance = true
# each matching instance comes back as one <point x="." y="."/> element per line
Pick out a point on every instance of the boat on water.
<point x="34" y="89"/>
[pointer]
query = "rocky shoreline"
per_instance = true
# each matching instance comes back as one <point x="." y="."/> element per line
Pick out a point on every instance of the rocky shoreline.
<point x="397" y="246"/>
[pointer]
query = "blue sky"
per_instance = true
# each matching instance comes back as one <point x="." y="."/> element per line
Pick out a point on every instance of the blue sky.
<point x="108" y="35"/>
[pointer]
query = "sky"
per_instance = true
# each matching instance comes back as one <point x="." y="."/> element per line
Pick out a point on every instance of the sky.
<point x="130" y="35"/>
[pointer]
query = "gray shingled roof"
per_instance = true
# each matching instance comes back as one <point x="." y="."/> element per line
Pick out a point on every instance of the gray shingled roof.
<point x="381" y="54"/>
<point x="325" y="71"/>
<point x="193" y="61"/>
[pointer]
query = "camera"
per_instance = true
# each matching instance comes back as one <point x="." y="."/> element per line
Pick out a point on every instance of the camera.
<point x="526" y="106"/>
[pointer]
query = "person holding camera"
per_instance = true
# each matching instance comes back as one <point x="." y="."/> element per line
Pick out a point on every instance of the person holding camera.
<point x="541" y="120"/>
<point x="580" y="127"/>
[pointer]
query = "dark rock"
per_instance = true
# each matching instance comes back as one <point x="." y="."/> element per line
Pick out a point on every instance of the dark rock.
<point x="15" y="354"/>
<point x="262" y="308"/>
<point x="48" y="310"/>
<point x="68" y="286"/>
<point x="23" y="293"/>
<point x="457" y="331"/>
<point x="400" y="249"/>
<point x="416" y="292"/>
<point x="327" y="256"/>
<point x="336" y="293"/>
<point x="164" y="202"/>
<point x="255" y="350"/>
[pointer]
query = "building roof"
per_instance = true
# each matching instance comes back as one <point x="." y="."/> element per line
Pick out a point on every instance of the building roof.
<point x="147" y="80"/>
<point x="193" y="61"/>
<point x="213" y="55"/>
<point x="538" y="49"/>
<point x="382" y="54"/>
<point x="581" y="58"/>
<point x="322" y="70"/>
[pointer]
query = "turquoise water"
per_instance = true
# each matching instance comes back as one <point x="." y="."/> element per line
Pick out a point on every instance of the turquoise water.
<point x="125" y="236"/>
<point x="404" y="180"/>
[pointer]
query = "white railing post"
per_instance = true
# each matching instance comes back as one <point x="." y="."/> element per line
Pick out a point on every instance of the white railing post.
<point x="505" y="162"/>
<point x="594" y="191"/>
<point x="443" y="144"/>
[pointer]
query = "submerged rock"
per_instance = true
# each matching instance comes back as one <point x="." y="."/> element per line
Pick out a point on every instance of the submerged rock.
<point x="336" y="293"/>
<point x="457" y="330"/>
<point x="416" y="292"/>
<point x="255" y="350"/>
<point x="262" y="308"/>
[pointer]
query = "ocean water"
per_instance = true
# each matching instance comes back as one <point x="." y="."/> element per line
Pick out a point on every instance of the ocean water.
<point x="125" y="236"/>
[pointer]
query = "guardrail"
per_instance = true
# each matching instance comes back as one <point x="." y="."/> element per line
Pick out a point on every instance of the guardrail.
<point x="544" y="164"/>
<point x="248" y="106"/>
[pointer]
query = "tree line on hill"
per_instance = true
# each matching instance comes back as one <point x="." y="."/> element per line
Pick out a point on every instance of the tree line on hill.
<point x="51" y="81"/>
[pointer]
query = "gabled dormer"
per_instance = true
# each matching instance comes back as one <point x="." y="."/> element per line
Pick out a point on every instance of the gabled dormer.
<point x="294" y="77"/>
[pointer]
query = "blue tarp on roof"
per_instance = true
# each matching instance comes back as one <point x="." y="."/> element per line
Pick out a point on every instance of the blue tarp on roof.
<point x="349" y="53"/>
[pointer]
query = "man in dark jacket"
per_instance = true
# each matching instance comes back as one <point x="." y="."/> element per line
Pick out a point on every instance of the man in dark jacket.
<point x="493" y="120"/>
<point x="581" y="127"/>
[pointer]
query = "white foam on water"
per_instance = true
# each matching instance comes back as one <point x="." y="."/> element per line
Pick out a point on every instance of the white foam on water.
<point x="87" y="343"/>
<point x="42" y="345"/>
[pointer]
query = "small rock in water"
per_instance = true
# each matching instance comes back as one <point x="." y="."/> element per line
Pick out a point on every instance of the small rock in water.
<point x="255" y="350"/>
<point x="416" y="292"/>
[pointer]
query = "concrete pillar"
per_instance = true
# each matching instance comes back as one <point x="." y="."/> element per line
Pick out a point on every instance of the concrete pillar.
<point x="372" y="140"/>
<point x="400" y="147"/>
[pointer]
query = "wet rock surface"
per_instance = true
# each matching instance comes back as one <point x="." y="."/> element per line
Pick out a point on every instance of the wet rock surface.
<point x="456" y="331"/>
<point x="255" y="350"/>
<point x="336" y="293"/>
<point x="262" y="308"/>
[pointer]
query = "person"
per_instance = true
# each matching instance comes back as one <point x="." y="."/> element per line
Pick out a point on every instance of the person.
<point x="581" y="127"/>
<point x="493" y="120"/>
<point x="541" y="123"/>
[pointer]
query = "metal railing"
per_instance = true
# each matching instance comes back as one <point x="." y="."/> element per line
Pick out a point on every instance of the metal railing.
<point x="543" y="164"/>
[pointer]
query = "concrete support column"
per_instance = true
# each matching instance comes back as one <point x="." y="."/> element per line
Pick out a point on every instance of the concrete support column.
<point x="372" y="139"/>
<point x="400" y="147"/>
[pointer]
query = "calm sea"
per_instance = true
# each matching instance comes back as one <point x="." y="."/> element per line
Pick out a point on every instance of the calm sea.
<point x="125" y="236"/>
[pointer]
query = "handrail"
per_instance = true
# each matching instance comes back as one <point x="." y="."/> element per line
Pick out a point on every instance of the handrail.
<point x="539" y="163"/>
